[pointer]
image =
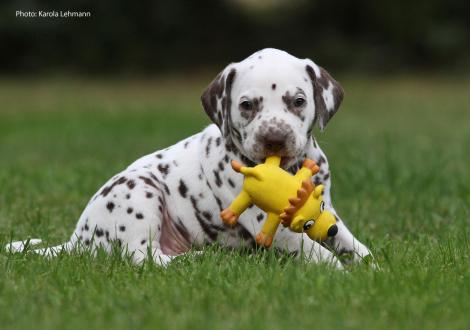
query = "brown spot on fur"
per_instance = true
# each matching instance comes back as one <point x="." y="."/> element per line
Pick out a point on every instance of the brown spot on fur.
<point x="289" y="101"/>
<point x="319" y="85"/>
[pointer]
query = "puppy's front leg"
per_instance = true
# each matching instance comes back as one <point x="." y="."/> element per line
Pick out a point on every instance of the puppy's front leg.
<point x="345" y="243"/>
<point x="302" y="245"/>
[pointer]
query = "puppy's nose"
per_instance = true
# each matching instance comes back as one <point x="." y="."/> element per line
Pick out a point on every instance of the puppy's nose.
<point x="332" y="231"/>
<point x="274" y="142"/>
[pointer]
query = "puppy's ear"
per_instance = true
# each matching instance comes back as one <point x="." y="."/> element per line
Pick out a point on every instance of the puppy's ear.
<point x="327" y="93"/>
<point x="216" y="98"/>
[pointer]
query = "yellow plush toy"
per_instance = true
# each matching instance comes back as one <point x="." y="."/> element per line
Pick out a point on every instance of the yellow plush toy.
<point x="290" y="199"/>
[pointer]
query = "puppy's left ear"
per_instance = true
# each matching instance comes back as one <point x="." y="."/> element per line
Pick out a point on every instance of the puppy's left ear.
<point x="327" y="93"/>
<point x="216" y="98"/>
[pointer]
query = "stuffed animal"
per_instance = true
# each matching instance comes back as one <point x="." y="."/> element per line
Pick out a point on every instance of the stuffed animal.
<point x="290" y="199"/>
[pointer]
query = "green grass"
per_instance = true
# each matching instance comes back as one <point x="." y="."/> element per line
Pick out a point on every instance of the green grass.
<point x="398" y="150"/>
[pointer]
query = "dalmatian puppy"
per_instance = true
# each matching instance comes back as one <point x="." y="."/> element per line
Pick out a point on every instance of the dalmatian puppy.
<point x="169" y="201"/>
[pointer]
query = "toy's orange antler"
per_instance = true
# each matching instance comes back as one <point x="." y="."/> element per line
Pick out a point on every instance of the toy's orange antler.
<point x="311" y="165"/>
<point x="297" y="202"/>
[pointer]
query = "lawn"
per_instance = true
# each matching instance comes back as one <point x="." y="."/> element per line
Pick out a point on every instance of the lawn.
<point x="399" y="155"/>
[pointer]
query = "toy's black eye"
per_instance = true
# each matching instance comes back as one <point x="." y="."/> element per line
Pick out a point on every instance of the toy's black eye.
<point x="322" y="206"/>
<point x="308" y="224"/>
<point x="298" y="102"/>
<point x="246" y="105"/>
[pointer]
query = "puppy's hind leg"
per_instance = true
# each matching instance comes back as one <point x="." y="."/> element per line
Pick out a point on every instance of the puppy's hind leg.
<point x="22" y="246"/>
<point x="154" y="253"/>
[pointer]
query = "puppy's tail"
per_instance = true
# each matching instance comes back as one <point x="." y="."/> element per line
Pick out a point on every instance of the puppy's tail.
<point x="21" y="246"/>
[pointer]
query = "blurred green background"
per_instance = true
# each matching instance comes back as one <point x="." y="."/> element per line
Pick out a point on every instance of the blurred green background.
<point x="154" y="36"/>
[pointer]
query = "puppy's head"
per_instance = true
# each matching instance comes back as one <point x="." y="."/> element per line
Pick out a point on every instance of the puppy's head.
<point x="268" y="103"/>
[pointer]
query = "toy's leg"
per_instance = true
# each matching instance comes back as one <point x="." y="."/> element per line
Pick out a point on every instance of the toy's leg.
<point x="266" y="235"/>
<point x="230" y="214"/>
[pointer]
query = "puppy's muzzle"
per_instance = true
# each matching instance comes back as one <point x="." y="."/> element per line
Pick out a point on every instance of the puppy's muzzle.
<point x="274" y="142"/>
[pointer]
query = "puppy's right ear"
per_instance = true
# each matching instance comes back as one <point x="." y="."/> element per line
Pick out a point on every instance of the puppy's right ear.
<point x="217" y="100"/>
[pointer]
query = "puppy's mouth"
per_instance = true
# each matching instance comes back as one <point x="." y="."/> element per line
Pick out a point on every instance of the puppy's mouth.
<point x="286" y="161"/>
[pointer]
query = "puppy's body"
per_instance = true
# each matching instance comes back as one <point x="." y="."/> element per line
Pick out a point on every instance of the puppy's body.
<point x="170" y="200"/>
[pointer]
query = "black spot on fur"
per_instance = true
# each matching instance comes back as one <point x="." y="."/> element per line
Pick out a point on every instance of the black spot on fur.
<point x="148" y="181"/>
<point x="219" y="202"/>
<point x="107" y="190"/>
<point x="207" y="215"/>
<point x="110" y="206"/>
<point x="206" y="228"/>
<point x="231" y="183"/>
<point x="226" y="158"/>
<point x="99" y="232"/>
<point x="86" y="227"/>
<point x="217" y="141"/>
<point x="131" y="184"/>
<point x="221" y="166"/>
<point x="139" y="216"/>
<point x="122" y="228"/>
<point x="182" y="188"/>
<point x="128" y="196"/>
<point x="273" y="86"/>
<point x="87" y="242"/>
<point x="246" y="236"/>
<point x="194" y="203"/>
<point x="316" y="180"/>
<point x="167" y="190"/>
<point x="218" y="181"/>
<point x="143" y="241"/>
<point x="130" y="210"/>
<point x="164" y="169"/>
<point x="159" y="156"/>
<point x="208" y="146"/>
<point x="148" y="194"/>
<point x="260" y="217"/>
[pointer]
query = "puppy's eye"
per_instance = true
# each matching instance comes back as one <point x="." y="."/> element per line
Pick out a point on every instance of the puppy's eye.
<point x="308" y="224"/>
<point x="299" y="101"/>
<point x="246" y="105"/>
<point x="322" y="206"/>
